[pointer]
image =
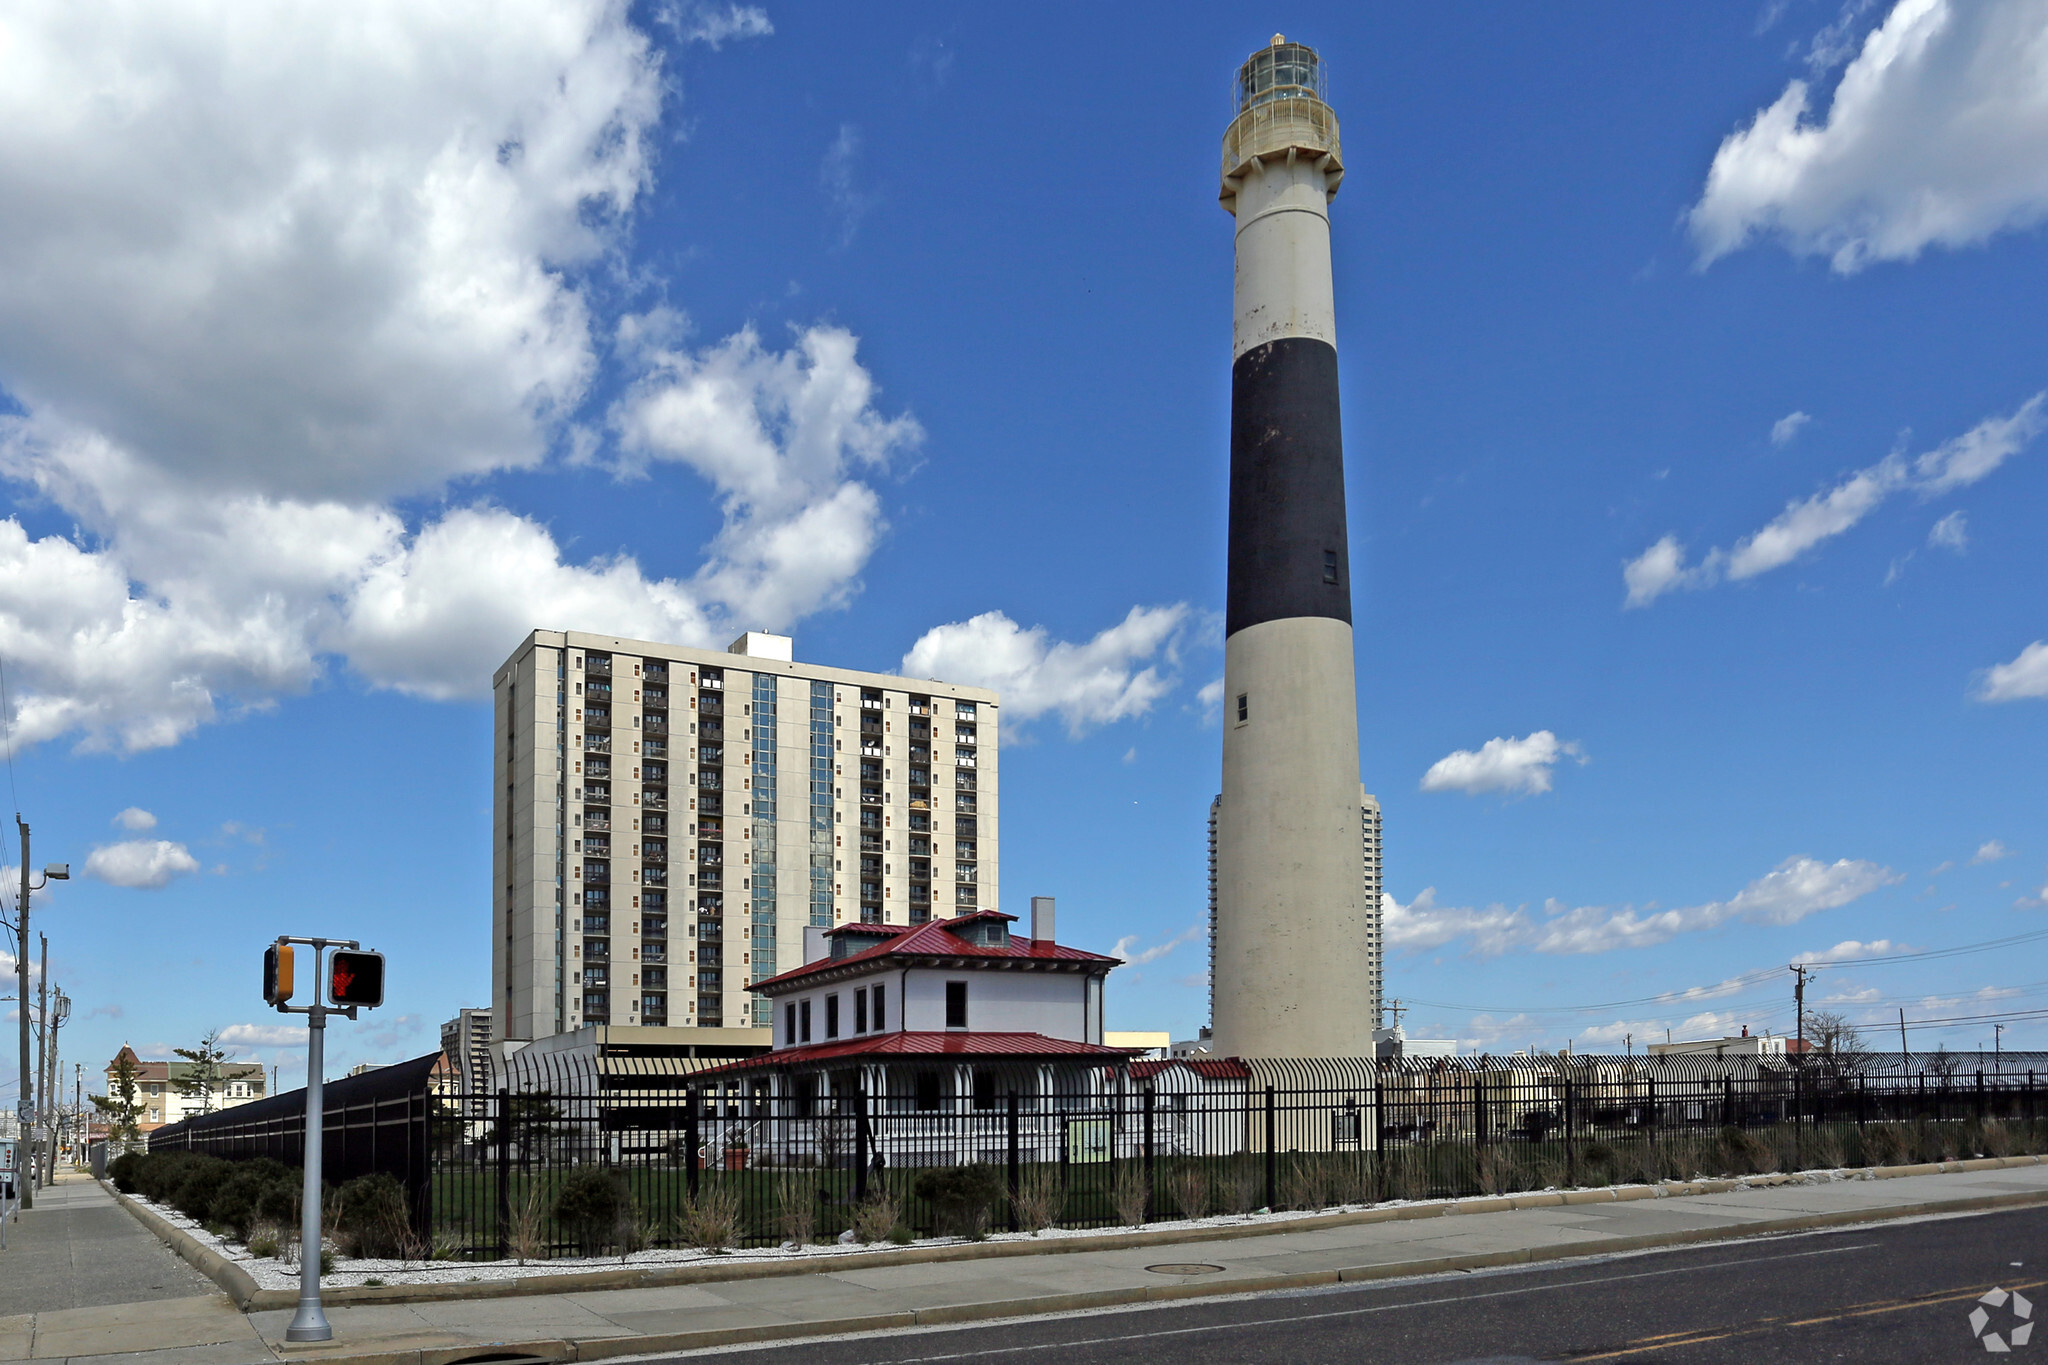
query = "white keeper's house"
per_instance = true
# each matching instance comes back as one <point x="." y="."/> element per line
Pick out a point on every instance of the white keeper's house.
<point x="946" y="1016"/>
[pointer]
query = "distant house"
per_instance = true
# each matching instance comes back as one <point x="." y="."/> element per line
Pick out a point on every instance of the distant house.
<point x="162" y="1102"/>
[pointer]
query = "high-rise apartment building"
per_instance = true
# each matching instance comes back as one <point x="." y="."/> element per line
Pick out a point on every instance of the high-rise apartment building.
<point x="669" y="820"/>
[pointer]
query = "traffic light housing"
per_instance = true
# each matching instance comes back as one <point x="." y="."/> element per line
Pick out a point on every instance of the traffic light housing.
<point x="277" y="974"/>
<point x="355" y="979"/>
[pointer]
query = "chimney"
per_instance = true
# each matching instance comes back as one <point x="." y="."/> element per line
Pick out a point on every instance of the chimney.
<point x="1041" y="919"/>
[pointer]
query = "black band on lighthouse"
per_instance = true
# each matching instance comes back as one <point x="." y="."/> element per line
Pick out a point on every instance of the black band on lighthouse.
<point x="1286" y="486"/>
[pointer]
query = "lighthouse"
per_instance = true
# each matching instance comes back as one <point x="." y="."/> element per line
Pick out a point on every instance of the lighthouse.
<point x="1295" y="946"/>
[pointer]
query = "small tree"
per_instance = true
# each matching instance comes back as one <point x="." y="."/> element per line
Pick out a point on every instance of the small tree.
<point x="1838" y="1042"/>
<point x="523" y="1117"/>
<point x="121" y="1106"/>
<point x="202" y="1078"/>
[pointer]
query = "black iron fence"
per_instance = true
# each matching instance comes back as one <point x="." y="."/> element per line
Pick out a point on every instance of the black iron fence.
<point x="761" y="1158"/>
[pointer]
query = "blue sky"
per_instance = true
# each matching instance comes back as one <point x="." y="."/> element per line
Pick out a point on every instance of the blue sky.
<point x="1690" y="364"/>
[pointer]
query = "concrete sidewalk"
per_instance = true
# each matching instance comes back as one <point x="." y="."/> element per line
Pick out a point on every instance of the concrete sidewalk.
<point x="596" y="1324"/>
<point x="77" y="1248"/>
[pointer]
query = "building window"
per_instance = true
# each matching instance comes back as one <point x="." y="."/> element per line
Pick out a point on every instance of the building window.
<point x="1329" y="566"/>
<point x="1244" y="707"/>
<point x="860" y="1011"/>
<point x="831" y="1016"/>
<point x="956" y="1004"/>
<point x="789" y="1025"/>
<point x="803" y="1028"/>
<point x="927" y="1094"/>
<point x="881" y="1012"/>
<point x="984" y="1090"/>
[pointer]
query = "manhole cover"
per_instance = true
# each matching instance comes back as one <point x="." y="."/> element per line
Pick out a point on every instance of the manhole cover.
<point x="1185" y="1268"/>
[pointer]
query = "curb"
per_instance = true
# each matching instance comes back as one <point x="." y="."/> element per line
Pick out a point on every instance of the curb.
<point x="603" y="1348"/>
<point x="242" y="1288"/>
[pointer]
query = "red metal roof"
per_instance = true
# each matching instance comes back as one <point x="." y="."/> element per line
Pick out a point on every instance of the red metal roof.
<point x="1209" y="1068"/>
<point x="937" y="940"/>
<point x="1019" y="1046"/>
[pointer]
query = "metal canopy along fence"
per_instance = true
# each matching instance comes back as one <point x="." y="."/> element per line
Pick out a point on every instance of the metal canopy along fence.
<point x="1072" y="1146"/>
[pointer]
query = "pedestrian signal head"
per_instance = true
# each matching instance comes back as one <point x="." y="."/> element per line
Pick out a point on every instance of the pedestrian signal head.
<point x="355" y="979"/>
<point x="277" y="974"/>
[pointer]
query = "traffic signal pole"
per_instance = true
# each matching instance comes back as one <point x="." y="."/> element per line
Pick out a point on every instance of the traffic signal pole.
<point x="310" y="1322"/>
<point x="352" y="980"/>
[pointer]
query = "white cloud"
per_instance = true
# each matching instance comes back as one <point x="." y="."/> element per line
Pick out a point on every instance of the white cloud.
<point x="1787" y="427"/>
<point x="836" y="176"/>
<point x="1937" y="135"/>
<point x="1990" y="851"/>
<point x="1093" y="683"/>
<point x="2025" y="676"/>
<point x="1501" y="764"/>
<point x="263" y="1035"/>
<point x="265" y="273"/>
<point x="1808" y="522"/>
<point x="135" y="818"/>
<point x="1853" y="948"/>
<point x="1952" y="532"/>
<point x="1133" y="956"/>
<point x="141" y="863"/>
<point x="715" y="27"/>
<point x="1795" y="889"/>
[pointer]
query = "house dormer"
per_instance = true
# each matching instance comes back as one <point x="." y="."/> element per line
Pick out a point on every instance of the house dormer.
<point x="982" y="928"/>
<point x="849" y="940"/>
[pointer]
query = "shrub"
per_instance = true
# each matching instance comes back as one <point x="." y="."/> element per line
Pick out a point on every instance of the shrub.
<point x="960" y="1197"/>
<point x="203" y="1179"/>
<point x="255" y="1191"/>
<point x="711" y="1222"/>
<point x="371" y="1219"/>
<point x="875" y="1217"/>
<point x="589" y="1205"/>
<point x="124" y="1170"/>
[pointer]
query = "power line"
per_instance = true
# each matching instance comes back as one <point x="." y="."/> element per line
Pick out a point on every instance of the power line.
<point x="1932" y="953"/>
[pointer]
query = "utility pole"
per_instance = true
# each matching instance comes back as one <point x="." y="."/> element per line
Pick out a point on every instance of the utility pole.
<point x="26" y="1090"/>
<point x="1799" y="971"/>
<point x="43" y="1059"/>
<point x="1997" y="1047"/>
<point x="1905" y="1053"/>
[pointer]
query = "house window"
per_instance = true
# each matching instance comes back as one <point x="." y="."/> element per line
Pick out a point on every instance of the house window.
<point x="789" y="1025"/>
<point x="803" y="1027"/>
<point x="927" y="1097"/>
<point x="860" y="1011"/>
<point x="956" y="1004"/>
<point x="1329" y="566"/>
<point x="881" y="1012"/>
<point x="1244" y="707"/>
<point x="831" y="1016"/>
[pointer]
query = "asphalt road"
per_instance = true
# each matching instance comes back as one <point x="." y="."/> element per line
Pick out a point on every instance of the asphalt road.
<point x="1899" y="1292"/>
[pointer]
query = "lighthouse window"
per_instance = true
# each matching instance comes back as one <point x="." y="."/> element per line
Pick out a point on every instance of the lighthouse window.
<point x="1329" y="566"/>
<point x="1244" y="708"/>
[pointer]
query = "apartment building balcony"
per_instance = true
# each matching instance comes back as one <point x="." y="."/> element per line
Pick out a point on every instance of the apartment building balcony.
<point x="920" y="895"/>
<point x="871" y="703"/>
<point x="597" y="873"/>
<point x="654" y="876"/>
<point x="653" y="801"/>
<point x="654" y="852"/>
<point x="654" y="727"/>
<point x="871" y="796"/>
<point x="964" y="895"/>
<point x="711" y="881"/>
<point x="920" y="777"/>
<point x="599" y="689"/>
<point x="597" y="843"/>
<point x="965" y="873"/>
<point x="597" y="744"/>
<point x="963" y="759"/>
<point x="710" y="755"/>
<point x="710" y="780"/>
<point x="654" y="952"/>
<point x="656" y="672"/>
<point x="868" y="750"/>
<point x="596" y="667"/>
<point x="920" y="708"/>
<point x="654" y="748"/>
<point x="713" y="681"/>
<point x="654" y="1010"/>
<point x="597" y="767"/>
<point x="591" y="822"/>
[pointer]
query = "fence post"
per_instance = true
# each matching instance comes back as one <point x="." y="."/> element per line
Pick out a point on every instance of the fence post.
<point x="1654" y="1116"/>
<point x="692" y="1142"/>
<point x="1571" y="1154"/>
<point x="1151" y="1101"/>
<point x="1015" y="1188"/>
<point x="861" y="1154"/>
<point x="1728" y="1101"/>
<point x="1379" y="1129"/>
<point x="1862" y="1099"/>
<point x="504" y="1173"/>
<point x="1272" y="1157"/>
<point x="1479" y="1109"/>
<point x="1980" y="1094"/>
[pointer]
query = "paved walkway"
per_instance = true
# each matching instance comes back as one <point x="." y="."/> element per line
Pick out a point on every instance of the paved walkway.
<point x="77" y="1248"/>
<point x="594" y="1325"/>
